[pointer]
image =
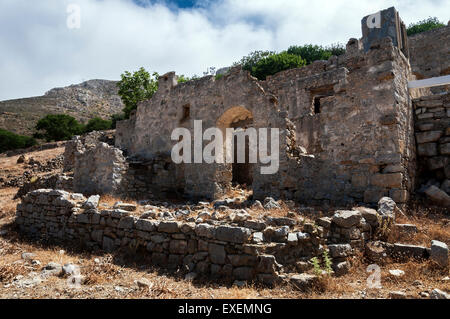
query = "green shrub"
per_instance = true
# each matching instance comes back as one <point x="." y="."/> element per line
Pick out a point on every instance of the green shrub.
<point x="98" y="124"/>
<point x="424" y="25"/>
<point x="10" y="141"/>
<point x="313" y="53"/>
<point x="136" y="87"/>
<point x="275" y="63"/>
<point x="264" y="63"/>
<point x="58" y="127"/>
<point x="183" y="79"/>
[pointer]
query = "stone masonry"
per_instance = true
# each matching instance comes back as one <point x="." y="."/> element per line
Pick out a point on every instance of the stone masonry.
<point x="239" y="248"/>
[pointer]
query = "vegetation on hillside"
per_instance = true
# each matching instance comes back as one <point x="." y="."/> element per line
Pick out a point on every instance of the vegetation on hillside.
<point x="424" y="25"/>
<point x="61" y="127"/>
<point x="98" y="124"/>
<point x="11" y="141"/>
<point x="58" y="127"/>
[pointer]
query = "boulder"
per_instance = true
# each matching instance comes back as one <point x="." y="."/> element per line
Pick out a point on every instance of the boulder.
<point x="91" y="202"/>
<point x="439" y="253"/>
<point x="347" y="218"/>
<point x="386" y="207"/>
<point x="370" y="215"/>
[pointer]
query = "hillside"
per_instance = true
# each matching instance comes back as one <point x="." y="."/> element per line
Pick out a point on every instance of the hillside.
<point x="82" y="101"/>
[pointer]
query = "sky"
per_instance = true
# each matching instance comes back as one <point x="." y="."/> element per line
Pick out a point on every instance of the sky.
<point x="54" y="43"/>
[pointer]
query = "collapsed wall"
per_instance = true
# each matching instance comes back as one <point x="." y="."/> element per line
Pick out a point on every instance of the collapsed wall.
<point x="242" y="247"/>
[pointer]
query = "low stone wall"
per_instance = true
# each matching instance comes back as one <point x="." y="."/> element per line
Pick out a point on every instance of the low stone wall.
<point x="237" y="247"/>
<point x="433" y="139"/>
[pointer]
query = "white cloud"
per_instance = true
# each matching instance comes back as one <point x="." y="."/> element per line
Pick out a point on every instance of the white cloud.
<point x="39" y="52"/>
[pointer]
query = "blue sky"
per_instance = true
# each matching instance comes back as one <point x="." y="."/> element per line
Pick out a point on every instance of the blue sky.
<point x="39" y="51"/>
<point x="178" y="3"/>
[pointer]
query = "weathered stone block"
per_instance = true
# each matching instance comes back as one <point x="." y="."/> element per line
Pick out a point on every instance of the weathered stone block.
<point x="126" y="222"/>
<point x="145" y="225"/>
<point x="168" y="227"/>
<point x="410" y="251"/>
<point x="387" y="180"/>
<point x="178" y="247"/>
<point x="108" y="244"/>
<point x="399" y="195"/>
<point x="243" y="273"/>
<point x="428" y="149"/>
<point x="243" y="260"/>
<point x="427" y="137"/>
<point x="217" y="253"/>
<point x="340" y="250"/>
<point x="439" y="253"/>
<point x="237" y="235"/>
<point x="347" y="218"/>
<point x="205" y="230"/>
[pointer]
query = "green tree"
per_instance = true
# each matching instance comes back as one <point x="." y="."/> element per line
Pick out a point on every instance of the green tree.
<point x="11" y="141"/>
<point x="136" y="87"/>
<point x="424" y="25"/>
<point x="275" y="63"/>
<point x="249" y="62"/>
<point x="58" y="127"/>
<point x="98" y="124"/>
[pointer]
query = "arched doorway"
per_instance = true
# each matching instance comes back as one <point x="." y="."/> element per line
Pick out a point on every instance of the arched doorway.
<point x="240" y="120"/>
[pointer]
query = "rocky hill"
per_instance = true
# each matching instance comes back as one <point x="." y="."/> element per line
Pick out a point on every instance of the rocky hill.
<point x="82" y="101"/>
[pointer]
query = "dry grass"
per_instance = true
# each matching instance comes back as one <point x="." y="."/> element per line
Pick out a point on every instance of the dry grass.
<point x="100" y="272"/>
<point x="9" y="271"/>
<point x="430" y="228"/>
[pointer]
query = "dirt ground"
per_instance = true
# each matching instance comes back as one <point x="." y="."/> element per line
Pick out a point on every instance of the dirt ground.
<point x="122" y="276"/>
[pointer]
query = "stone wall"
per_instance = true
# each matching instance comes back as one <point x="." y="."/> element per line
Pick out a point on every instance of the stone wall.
<point x="235" y="247"/>
<point x="429" y="52"/>
<point x="433" y="139"/>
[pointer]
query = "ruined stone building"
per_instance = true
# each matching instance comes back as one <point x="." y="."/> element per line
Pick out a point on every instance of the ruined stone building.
<point x="347" y="126"/>
<point x="352" y="130"/>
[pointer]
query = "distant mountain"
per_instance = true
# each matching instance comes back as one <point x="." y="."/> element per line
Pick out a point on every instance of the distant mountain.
<point x="82" y="101"/>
